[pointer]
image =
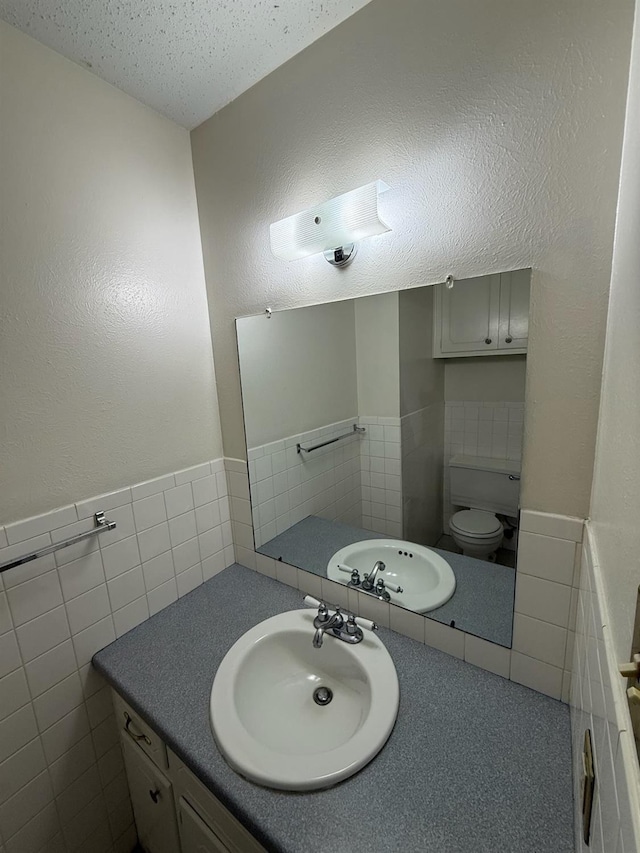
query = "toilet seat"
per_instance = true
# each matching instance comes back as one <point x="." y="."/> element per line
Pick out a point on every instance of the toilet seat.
<point x="476" y="523"/>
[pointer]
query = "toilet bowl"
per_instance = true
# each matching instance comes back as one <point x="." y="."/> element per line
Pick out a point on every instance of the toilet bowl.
<point x="486" y="488"/>
<point x="476" y="532"/>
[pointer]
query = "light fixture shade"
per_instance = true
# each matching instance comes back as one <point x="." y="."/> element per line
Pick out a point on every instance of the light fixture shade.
<point x="343" y="220"/>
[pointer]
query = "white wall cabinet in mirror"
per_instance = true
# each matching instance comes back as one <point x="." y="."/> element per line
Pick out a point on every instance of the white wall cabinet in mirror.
<point x="513" y="324"/>
<point x="488" y="315"/>
<point x="364" y="448"/>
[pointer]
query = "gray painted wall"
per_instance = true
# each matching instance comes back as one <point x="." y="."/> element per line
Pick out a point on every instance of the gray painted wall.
<point x="107" y="373"/>
<point x="499" y="127"/>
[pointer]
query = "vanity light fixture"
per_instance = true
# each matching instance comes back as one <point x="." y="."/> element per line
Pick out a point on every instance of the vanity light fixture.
<point x="332" y="228"/>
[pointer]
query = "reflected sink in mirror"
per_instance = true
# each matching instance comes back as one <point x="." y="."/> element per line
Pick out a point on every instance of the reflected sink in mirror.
<point x="291" y="716"/>
<point x="394" y="416"/>
<point x="482" y="603"/>
<point x="415" y="577"/>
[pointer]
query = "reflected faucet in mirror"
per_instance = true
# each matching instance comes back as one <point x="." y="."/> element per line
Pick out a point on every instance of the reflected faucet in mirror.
<point x="379" y="589"/>
<point x="369" y="579"/>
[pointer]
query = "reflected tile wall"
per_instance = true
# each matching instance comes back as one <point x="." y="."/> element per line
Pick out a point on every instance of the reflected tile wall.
<point x="287" y="486"/>
<point x="381" y="475"/>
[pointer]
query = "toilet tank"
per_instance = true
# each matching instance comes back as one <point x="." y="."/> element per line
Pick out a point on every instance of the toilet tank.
<point x="481" y="483"/>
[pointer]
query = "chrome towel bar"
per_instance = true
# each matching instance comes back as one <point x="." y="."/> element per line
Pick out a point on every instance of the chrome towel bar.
<point x="101" y="525"/>
<point x="356" y="429"/>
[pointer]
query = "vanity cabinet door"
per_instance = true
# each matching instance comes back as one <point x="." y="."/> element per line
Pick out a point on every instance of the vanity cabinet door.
<point x="229" y="831"/>
<point x="515" y="290"/>
<point x="195" y="835"/>
<point x="152" y="799"/>
<point x="466" y="317"/>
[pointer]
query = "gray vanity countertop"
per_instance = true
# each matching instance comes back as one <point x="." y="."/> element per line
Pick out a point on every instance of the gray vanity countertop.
<point x="474" y="764"/>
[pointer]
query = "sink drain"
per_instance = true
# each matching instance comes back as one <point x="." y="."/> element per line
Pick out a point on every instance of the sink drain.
<point x="322" y="696"/>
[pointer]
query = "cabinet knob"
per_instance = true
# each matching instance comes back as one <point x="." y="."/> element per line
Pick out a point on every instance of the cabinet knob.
<point x="508" y="340"/>
<point x="155" y="795"/>
<point x="487" y="340"/>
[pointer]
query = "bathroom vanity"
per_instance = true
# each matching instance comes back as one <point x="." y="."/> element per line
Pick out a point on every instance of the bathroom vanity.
<point x="173" y="810"/>
<point x="474" y="763"/>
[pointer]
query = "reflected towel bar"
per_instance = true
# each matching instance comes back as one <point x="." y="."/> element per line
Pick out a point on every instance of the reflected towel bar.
<point x="101" y="524"/>
<point x="354" y="431"/>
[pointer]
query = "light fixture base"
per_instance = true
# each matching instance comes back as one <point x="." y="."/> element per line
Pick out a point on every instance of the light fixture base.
<point x="342" y="256"/>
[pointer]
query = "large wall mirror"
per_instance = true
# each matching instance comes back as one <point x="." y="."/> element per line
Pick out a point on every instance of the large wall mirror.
<point x="384" y="440"/>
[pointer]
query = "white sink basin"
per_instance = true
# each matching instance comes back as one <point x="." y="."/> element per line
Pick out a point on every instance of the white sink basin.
<point x="425" y="577"/>
<point x="264" y="717"/>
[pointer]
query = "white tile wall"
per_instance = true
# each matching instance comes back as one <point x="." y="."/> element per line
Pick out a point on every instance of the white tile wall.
<point x="486" y="429"/>
<point x="598" y="702"/>
<point x="381" y="475"/>
<point x="62" y="785"/>
<point x="287" y="486"/>
<point x="545" y="601"/>
<point x="242" y="536"/>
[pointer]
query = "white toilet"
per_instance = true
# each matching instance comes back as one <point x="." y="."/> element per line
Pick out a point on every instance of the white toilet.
<point x="486" y="486"/>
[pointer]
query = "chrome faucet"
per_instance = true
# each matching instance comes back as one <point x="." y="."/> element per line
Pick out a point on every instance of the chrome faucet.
<point x="335" y="625"/>
<point x="324" y="622"/>
<point x="369" y="580"/>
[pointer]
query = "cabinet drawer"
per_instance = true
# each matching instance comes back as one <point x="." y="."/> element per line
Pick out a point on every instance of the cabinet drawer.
<point x="224" y="825"/>
<point x="132" y="724"/>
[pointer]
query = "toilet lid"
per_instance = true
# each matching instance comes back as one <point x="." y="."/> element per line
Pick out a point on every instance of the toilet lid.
<point x="476" y="522"/>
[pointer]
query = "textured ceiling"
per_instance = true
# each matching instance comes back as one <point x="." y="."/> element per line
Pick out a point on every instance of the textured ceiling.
<point x="187" y="58"/>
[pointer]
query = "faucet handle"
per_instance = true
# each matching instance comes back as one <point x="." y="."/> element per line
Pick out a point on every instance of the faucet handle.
<point x="355" y="574"/>
<point x="323" y="612"/>
<point x="394" y="587"/>
<point x="352" y="627"/>
<point x="365" y="623"/>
